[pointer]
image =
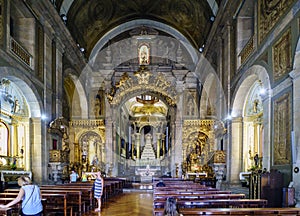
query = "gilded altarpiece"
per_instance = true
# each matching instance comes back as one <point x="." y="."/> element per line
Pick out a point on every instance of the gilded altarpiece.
<point x="269" y="12"/>
<point x="88" y="146"/>
<point x="282" y="116"/>
<point x="198" y="144"/>
<point x="282" y="60"/>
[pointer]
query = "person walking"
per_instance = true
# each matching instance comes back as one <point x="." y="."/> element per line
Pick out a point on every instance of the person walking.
<point x="98" y="190"/>
<point x="31" y="198"/>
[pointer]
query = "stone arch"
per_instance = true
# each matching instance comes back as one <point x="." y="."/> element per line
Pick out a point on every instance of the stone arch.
<point x="255" y="73"/>
<point x="235" y="159"/>
<point x="76" y="95"/>
<point x="143" y="22"/>
<point x="91" y="146"/>
<point x="28" y="89"/>
<point x="37" y="122"/>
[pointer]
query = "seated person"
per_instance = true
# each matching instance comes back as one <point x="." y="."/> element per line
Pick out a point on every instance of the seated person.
<point x="160" y="183"/>
<point x="171" y="208"/>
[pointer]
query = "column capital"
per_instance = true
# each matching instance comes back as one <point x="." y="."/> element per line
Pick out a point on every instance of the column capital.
<point x="238" y="119"/>
<point x="295" y="75"/>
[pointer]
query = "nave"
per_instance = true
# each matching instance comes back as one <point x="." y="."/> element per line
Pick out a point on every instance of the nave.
<point x="138" y="201"/>
<point x="128" y="203"/>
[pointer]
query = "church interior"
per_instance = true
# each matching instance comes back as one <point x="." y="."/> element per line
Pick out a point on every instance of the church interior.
<point x="142" y="89"/>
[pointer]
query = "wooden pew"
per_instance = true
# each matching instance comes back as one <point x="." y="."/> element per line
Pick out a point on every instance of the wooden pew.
<point x="240" y="211"/>
<point x="74" y="198"/>
<point x="15" y="208"/>
<point x="191" y="192"/>
<point x="87" y="193"/>
<point x="6" y="211"/>
<point x="199" y="197"/>
<point x="57" y="203"/>
<point x="216" y="203"/>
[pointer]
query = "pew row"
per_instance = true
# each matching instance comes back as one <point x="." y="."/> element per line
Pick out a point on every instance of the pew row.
<point x="234" y="211"/>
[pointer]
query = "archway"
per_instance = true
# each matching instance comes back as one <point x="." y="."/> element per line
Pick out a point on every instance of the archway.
<point x="21" y="103"/>
<point x="245" y="115"/>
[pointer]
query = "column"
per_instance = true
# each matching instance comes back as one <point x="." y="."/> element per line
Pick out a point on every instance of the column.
<point x="235" y="159"/>
<point x="267" y="123"/>
<point x="163" y="143"/>
<point x="296" y="140"/>
<point x="132" y="145"/>
<point x="158" y="145"/>
<point x="14" y="144"/>
<point x="137" y="143"/>
<point x="34" y="151"/>
<point x="178" y="127"/>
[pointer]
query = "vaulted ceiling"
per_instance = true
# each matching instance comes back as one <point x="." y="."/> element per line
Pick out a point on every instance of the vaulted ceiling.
<point x="89" y="20"/>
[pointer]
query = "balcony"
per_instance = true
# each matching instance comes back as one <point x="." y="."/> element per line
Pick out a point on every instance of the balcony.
<point x="247" y="50"/>
<point x="20" y="52"/>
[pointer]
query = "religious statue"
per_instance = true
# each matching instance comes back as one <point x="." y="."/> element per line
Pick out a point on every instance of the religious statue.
<point x="98" y="104"/>
<point x="144" y="55"/>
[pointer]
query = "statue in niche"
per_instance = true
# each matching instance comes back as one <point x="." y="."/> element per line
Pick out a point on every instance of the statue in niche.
<point x="16" y="106"/>
<point x="255" y="106"/>
<point x="190" y="107"/>
<point x="98" y="104"/>
<point x="144" y="55"/>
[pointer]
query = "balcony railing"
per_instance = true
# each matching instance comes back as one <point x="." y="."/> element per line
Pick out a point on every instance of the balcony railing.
<point x="247" y="50"/>
<point x="20" y="52"/>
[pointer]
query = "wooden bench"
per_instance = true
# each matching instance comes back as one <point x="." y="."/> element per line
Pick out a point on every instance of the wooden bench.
<point x="15" y="208"/>
<point x="74" y="198"/>
<point x="199" y="197"/>
<point x="57" y="203"/>
<point x="240" y="211"/>
<point x="216" y="203"/>
<point x="6" y="211"/>
<point x="87" y="193"/>
<point x="191" y="192"/>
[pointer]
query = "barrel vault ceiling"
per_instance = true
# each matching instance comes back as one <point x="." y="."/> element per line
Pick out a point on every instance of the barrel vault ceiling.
<point x="89" y="20"/>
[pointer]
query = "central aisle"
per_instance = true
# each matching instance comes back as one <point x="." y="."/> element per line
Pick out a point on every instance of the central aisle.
<point x="127" y="204"/>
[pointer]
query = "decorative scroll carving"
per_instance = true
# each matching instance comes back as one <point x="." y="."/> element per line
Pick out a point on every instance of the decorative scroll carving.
<point x="142" y="81"/>
<point x="59" y="156"/>
<point x="282" y="129"/>
<point x="269" y="12"/>
<point x="219" y="157"/>
<point x="282" y="61"/>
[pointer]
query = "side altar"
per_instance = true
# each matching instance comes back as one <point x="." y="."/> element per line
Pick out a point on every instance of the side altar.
<point x="10" y="177"/>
